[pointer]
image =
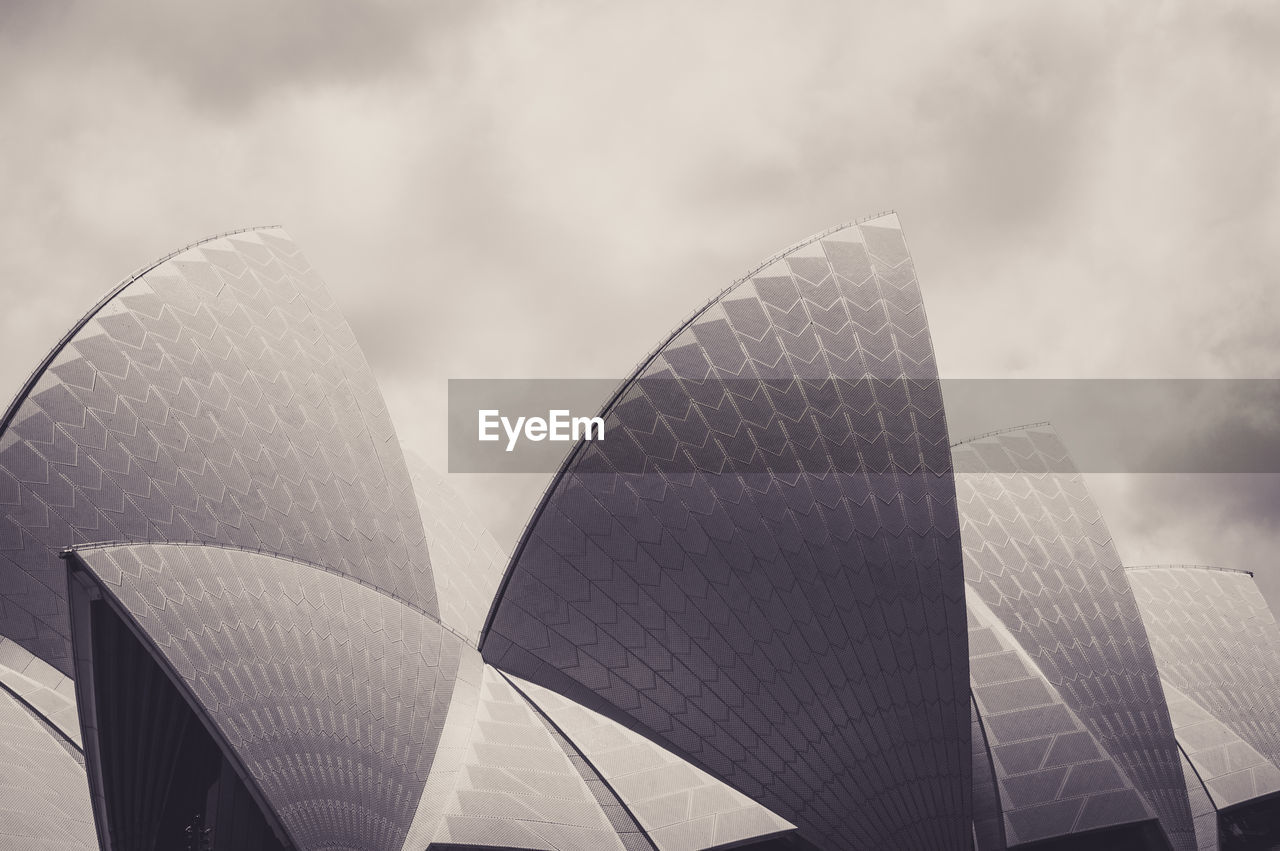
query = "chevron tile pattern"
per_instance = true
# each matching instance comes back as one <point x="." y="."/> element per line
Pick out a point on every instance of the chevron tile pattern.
<point x="680" y="807"/>
<point x="465" y="559"/>
<point x="41" y="686"/>
<point x="1038" y="554"/>
<point x="44" y="798"/>
<point x="332" y="694"/>
<point x="509" y="758"/>
<point x="451" y="752"/>
<point x="516" y="787"/>
<point x="630" y="834"/>
<point x="740" y="620"/>
<point x="1217" y="645"/>
<point x="1053" y="777"/>
<point x="1230" y="769"/>
<point x="1217" y="642"/>
<point x="760" y="568"/>
<point x="218" y="397"/>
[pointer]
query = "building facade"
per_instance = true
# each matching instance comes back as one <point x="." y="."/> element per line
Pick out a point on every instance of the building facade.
<point x="1217" y="648"/>
<point x="1064" y="679"/>
<point x="767" y="613"/>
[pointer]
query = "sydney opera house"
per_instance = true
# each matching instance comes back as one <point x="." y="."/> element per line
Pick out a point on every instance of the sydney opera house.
<point x="778" y="608"/>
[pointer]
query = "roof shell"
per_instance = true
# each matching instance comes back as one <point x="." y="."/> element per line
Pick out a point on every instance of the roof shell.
<point x="217" y="396"/>
<point x="44" y="797"/>
<point x="760" y="565"/>
<point x="1038" y="553"/>
<point x="329" y="694"/>
<point x="1217" y="643"/>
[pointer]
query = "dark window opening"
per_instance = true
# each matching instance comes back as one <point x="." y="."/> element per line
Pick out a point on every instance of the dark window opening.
<point x="167" y="785"/>
<point x="1252" y="826"/>
<point x="1143" y="836"/>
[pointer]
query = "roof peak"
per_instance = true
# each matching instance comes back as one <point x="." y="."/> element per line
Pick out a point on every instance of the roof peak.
<point x="1007" y="430"/>
<point x="1209" y="567"/>
<point x="9" y="413"/>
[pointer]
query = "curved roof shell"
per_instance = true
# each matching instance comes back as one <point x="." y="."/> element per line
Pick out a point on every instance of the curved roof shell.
<point x="330" y="694"/>
<point x="515" y="785"/>
<point x="39" y="685"/>
<point x="44" y="796"/>
<point x="1217" y="646"/>
<point x="216" y="397"/>
<point x="679" y="807"/>
<point x="1038" y="554"/>
<point x="759" y="568"/>
<point x="1052" y="777"/>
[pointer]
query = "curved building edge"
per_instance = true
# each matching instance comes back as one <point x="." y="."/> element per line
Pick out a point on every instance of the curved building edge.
<point x="48" y="359"/>
<point x="626" y="383"/>
<point x="880" y="278"/>
<point x="188" y="397"/>
<point x="1209" y="567"/>
<point x="1037" y="544"/>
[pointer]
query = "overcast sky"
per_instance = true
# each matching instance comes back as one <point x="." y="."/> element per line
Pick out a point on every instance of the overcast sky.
<point x="544" y="190"/>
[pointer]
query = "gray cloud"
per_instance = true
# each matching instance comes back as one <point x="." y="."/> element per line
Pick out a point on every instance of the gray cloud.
<point x="229" y="56"/>
<point x="1222" y="520"/>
